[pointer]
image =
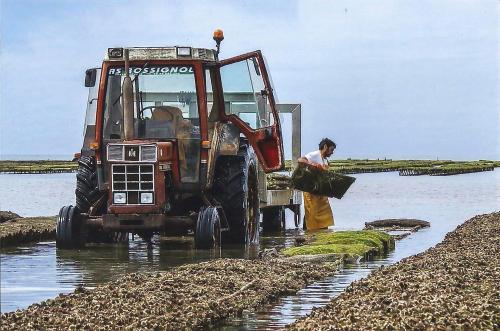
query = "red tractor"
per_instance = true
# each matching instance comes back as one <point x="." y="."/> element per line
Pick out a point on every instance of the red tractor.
<point x="173" y="141"/>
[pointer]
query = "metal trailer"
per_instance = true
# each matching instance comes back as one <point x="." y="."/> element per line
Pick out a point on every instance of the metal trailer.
<point x="274" y="202"/>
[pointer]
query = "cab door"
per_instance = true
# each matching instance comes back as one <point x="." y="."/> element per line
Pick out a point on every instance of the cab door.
<point x="250" y="105"/>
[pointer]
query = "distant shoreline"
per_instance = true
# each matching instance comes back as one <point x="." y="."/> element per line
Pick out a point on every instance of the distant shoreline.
<point x="36" y="157"/>
<point x="349" y="166"/>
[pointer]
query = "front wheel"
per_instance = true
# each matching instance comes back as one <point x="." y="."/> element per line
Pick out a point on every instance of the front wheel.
<point x="69" y="229"/>
<point x="207" y="233"/>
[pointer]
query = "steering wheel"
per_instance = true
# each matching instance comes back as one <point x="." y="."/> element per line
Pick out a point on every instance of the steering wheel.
<point x="141" y="112"/>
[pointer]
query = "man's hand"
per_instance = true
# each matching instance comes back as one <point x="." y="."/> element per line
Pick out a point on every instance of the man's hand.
<point x="318" y="166"/>
<point x="324" y="166"/>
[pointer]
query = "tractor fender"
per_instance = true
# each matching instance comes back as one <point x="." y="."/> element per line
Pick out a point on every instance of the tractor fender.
<point x="225" y="142"/>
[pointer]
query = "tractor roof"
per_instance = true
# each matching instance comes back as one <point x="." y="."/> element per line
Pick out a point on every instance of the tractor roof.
<point x="161" y="53"/>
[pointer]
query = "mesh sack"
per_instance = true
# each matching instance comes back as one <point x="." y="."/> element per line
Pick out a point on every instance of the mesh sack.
<point x="320" y="182"/>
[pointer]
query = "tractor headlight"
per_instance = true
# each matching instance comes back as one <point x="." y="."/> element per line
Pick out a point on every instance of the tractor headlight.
<point x="119" y="197"/>
<point x="183" y="51"/>
<point x="115" y="152"/>
<point x="146" y="197"/>
<point x="148" y="153"/>
<point x="115" y="53"/>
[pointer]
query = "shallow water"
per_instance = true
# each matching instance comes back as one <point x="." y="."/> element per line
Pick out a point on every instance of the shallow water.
<point x="444" y="201"/>
<point x="288" y="309"/>
<point x="32" y="273"/>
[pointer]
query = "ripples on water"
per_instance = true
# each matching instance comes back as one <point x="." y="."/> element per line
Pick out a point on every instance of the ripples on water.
<point x="33" y="273"/>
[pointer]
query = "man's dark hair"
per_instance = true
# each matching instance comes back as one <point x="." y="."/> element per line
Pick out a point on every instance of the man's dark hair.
<point x="327" y="142"/>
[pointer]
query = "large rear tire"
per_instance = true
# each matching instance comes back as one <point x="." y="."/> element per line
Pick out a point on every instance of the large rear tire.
<point x="236" y="189"/>
<point x="87" y="190"/>
<point x="87" y="193"/>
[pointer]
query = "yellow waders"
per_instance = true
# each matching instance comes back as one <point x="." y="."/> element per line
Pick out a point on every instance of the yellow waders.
<point x="318" y="214"/>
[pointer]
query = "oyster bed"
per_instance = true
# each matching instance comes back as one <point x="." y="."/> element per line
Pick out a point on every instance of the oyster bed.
<point x="455" y="284"/>
<point x="21" y="230"/>
<point x="188" y="297"/>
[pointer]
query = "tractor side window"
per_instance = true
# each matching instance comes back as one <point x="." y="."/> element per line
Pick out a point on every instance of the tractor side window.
<point x="210" y="94"/>
<point x="89" y="128"/>
<point x="245" y="94"/>
<point x="212" y="109"/>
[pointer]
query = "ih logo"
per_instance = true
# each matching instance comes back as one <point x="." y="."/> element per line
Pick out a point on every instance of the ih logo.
<point x="132" y="153"/>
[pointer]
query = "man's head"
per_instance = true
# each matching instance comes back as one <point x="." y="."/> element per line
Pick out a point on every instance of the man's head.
<point x="327" y="146"/>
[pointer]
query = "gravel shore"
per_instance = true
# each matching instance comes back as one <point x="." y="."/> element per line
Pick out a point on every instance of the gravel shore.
<point x="188" y="297"/>
<point x="454" y="285"/>
<point x="28" y="229"/>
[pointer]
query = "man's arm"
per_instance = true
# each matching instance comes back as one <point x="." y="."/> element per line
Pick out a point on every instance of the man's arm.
<point x="312" y="164"/>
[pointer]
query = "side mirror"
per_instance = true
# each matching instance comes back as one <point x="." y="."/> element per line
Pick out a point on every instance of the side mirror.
<point x="90" y="77"/>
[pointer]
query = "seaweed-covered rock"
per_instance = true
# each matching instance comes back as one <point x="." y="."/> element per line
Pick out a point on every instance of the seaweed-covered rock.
<point x="7" y="216"/>
<point x="452" y="286"/>
<point x="397" y="222"/>
<point x="346" y="243"/>
<point x="321" y="182"/>
<point x="29" y="229"/>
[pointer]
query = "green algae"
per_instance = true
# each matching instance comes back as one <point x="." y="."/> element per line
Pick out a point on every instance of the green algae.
<point x="352" y="249"/>
<point x="369" y="238"/>
<point x="359" y="243"/>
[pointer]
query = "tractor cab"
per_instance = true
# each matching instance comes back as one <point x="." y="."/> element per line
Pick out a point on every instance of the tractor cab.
<point x="179" y="94"/>
<point x="172" y="132"/>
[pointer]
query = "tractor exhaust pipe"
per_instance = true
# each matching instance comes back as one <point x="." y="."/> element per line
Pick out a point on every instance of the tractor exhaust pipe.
<point x="128" y="101"/>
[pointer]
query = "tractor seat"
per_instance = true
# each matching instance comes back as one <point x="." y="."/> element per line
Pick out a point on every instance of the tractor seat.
<point x="166" y="113"/>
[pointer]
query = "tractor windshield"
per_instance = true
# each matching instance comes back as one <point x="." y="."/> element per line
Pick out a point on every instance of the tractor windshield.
<point x="165" y="105"/>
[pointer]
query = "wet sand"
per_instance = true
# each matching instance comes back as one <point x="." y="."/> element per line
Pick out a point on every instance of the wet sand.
<point x="29" y="229"/>
<point x="188" y="297"/>
<point x="454" y="285"/>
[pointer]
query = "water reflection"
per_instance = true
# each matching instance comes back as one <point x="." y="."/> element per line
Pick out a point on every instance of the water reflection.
<point x="286" y="310"/>
<point x="32" y="273"/>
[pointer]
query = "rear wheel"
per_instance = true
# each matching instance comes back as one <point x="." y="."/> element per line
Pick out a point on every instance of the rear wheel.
<point x="69" y="231"/>
<point x="87" y="190"/>
<point x="207" y="233"/>
<point x="236" y="189"/>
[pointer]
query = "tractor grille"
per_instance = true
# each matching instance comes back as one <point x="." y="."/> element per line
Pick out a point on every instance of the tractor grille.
<point x="135" y="181"/>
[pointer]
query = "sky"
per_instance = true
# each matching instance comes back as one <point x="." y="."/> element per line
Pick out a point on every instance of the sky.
<point x="383" y="79"/>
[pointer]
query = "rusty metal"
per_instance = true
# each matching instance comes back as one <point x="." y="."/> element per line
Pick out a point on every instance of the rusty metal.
<point x="229" y="139"/>
<point x="164" y="53"/>
<point x="165" y="151"/>
<point x="150" y="222"/>
<point x="226" y="141"/>
<point x="93" y="222"/>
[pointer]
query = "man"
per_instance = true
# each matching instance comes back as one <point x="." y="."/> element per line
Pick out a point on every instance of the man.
<point x="318" y="214"/>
